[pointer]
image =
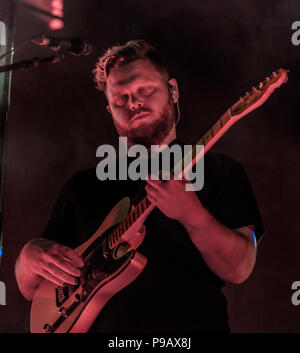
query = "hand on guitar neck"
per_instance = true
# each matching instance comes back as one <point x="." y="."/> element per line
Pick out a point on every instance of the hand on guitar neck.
<point x="169" y="196"/>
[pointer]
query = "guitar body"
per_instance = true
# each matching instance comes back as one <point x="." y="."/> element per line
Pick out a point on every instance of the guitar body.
<point x="70" y="309"/>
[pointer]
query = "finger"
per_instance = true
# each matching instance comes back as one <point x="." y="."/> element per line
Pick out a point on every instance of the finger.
<point x="48" y="276"/>
<point x="152" y="199"/>
<point x="60" y="274"/>
<point x="70" y="255"/>
<point x="152" y="195"/>
<point x="157" y="184"/>
<point x="152" y="190"/>
<point x="64" y="265"/>
<point x="45" y="274"/>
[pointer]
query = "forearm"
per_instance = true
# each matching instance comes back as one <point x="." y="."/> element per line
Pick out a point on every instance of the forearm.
<point x="227" y="253"/>
<point x="27" y="280"/>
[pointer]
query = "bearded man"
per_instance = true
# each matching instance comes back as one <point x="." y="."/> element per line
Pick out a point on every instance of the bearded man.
<point x="195" y="241"/>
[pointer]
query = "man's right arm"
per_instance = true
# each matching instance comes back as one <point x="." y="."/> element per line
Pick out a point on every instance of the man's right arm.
<point x="42" y="259"/>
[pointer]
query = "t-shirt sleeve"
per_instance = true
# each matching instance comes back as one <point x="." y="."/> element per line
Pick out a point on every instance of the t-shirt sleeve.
<point x="232" y="199"/>
<point x="60" y="224"/>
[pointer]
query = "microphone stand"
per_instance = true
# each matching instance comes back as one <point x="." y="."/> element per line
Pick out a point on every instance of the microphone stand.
<point x="25" y="64"/>
<point x="34" y="62"/>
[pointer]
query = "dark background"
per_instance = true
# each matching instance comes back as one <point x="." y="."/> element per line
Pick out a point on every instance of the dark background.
<point x="217" y="51"/>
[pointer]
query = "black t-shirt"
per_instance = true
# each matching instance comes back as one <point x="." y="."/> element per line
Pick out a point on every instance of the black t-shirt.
<point x="176" y="292"/>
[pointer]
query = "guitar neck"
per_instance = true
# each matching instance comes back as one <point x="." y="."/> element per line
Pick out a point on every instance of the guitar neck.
<point x="207" y="141"/>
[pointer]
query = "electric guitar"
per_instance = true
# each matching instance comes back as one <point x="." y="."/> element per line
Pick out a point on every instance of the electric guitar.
<point x="110" y="256"/>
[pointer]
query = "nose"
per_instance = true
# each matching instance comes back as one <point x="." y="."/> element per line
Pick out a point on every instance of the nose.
<point x="135" y="103"/>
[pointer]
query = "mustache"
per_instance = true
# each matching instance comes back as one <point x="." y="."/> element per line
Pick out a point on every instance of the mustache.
<point x="139" y="111"/>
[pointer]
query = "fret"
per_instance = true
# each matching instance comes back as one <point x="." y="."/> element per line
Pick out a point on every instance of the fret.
<point x="216" y="128"/>
<point x="117" y="231"/>
<point x="138" y="210"/>
<point x="134" y="215"/>
<point x="194" y="152"/>
<point x="144" y="203"/>
<point x="131" y="216"/>
<point x="116" y="238"/>
<point x="141" y="207"/>
<point x="111" y="242"/>
<point x="206" y="138"/>
<point x="225" y="119"/>
<point x="124" y="225"/>
<point x="128" y="221"/>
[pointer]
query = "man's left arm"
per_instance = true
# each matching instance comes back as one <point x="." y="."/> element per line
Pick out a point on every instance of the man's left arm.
<point x="230" y="254"/>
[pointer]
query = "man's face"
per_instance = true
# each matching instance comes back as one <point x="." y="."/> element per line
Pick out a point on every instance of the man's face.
<point x="140" y="103"/>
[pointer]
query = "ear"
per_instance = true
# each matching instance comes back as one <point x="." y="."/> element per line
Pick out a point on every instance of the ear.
<point x="174" y="89"/>
<point x="108" y="108"/>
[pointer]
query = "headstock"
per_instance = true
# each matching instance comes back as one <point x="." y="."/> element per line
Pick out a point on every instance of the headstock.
<point x="258" y="95"/>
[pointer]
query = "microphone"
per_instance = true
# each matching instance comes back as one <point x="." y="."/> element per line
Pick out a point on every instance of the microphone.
<point x="74" y="46"/>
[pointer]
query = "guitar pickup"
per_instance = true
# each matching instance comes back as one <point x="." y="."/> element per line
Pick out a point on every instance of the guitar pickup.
<point x="62" y="294"/>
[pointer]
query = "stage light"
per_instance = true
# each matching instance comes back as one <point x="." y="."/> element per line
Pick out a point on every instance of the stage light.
<point x="57" y="9"/>
<point x="56" y="24"/>
<point x="49" y="11"/>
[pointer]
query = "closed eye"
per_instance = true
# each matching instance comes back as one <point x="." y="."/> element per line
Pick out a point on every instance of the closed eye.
<point x="146" y="91"/>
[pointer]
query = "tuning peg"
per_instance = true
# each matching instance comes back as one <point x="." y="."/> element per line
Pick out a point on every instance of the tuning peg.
<point x="274" y="74"/>
<point x="254" y="90"/>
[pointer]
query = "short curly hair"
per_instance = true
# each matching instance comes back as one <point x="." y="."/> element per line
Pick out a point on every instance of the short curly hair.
<point x="124" y="54"/>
